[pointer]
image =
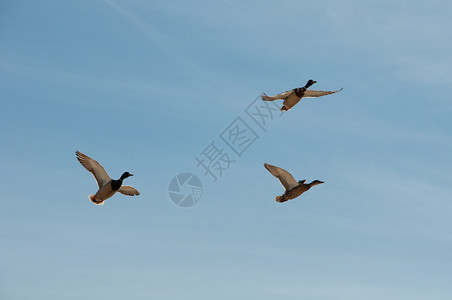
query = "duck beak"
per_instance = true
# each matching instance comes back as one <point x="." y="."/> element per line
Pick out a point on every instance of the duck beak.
<point x="130" y="174"/>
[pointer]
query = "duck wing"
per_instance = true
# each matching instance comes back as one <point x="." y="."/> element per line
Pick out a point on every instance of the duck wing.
<point x="94" y="167"/>
<point x="284" y="177"/>
<point x="128" y="190"/>
<point x="315" y="94"/>
<point x="276" y="97"/>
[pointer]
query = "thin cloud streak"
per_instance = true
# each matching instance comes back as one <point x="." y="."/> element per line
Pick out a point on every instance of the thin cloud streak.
<point x="150" y="32"/>
<point x="99" y="83"/>
<point x="159" y="39"/>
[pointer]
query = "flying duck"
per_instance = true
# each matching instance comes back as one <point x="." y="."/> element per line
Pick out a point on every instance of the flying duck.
<point x="293" y="188"/>
<point x="107" y="186"/>
<point x="293" y="96"/>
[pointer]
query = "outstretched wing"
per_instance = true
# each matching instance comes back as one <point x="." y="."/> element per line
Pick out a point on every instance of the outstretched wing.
<point x="276" y="97"/>
<point x="94" y="167"/>
<point x="284" y="177"/>
<point x="315" y="94"/>
<point x="128" y="190"/>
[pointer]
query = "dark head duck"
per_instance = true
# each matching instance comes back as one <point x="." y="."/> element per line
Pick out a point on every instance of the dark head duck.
<point x="107" y="186"/>
<point x="309" y="83"/>
<point x="316" y="182"/>
<point x="293" y="96"/>
<point x="125" y="175"/>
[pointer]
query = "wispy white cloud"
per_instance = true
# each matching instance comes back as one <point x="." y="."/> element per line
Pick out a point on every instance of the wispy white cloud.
<point x="145" y="27"/>
<point x="158" y="38"/>
<point x="71" y="78"/>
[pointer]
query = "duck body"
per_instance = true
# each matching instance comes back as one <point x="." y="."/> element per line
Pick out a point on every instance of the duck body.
<point x="106" y="191"/>
<point x="102" y="194"/>
<point x="293" y="192"/>
<point x="292" y="97"/>
<point x="107" y="186"/>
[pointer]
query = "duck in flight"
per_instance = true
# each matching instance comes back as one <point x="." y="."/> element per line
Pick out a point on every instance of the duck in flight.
<point x="107" y="186"/>
<point x="292" y="97"/>
<point x="293" y="188"/>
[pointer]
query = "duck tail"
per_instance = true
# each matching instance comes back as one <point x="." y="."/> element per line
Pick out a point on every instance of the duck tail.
<point x="94" y="200"/>
<point x="280" y="198"/>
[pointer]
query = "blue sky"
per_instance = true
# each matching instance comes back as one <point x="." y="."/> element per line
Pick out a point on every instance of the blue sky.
<point x="144" y="87"/>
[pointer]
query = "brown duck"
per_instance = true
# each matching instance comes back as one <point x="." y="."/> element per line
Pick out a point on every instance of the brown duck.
<point x="107" y="186"/>
<point x="293" y="188"/>
<point x="292" y="97"/>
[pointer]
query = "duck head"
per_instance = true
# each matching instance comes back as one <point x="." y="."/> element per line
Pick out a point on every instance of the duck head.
<point x="316" y="182"/>
<point x="125" y="175"/>
<point x="310" y="82"/>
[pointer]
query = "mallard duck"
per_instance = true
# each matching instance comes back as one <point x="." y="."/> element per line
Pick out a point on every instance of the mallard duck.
<point x="107" y="186"/>
<point x="293" y="96"/>
<point x="293" y="188"/>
